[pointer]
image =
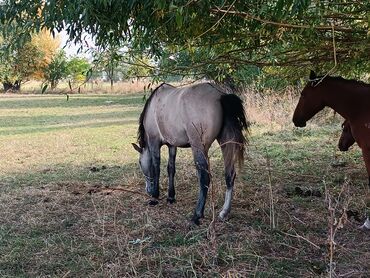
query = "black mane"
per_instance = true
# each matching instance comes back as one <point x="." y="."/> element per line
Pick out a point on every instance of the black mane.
<point x="337" y="78"/>
<point x="141" y="129"/>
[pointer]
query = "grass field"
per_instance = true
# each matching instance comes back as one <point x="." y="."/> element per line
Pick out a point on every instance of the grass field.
<point x="72" y="202"/>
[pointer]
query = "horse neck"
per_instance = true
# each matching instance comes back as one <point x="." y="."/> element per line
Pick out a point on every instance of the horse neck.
<point x="339" y="97"/>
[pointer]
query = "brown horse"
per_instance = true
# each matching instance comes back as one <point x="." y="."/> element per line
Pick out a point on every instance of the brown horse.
<point x="346" y="139"/>
<point x="349" y="98"/>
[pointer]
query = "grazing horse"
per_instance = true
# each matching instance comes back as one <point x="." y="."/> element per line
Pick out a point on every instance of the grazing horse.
<point x="346" y="139"/>
<point x="193" y="116"/>
<point x="349" y="98"/>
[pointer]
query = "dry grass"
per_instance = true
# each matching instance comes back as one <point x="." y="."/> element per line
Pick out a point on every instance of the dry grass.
<point x="60" y="217"/>
<point x="91" y="87"/>
<point x="275" y="109"/>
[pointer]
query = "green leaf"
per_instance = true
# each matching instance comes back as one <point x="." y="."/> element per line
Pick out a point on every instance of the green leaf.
<point x="179" y="20"/>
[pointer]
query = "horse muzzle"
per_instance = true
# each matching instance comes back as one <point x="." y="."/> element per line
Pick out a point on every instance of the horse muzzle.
<point x="343" y="146"/>
<point x="299" y="123"/>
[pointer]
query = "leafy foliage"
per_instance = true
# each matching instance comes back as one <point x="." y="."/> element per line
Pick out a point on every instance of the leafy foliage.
<point x="107" y="61"/>
<point x="220" y="38"/>
<point x="56" y="70"/>
<point x="77" y="69"/>
<point x="48" y="46"/>
<point x="19" y="63"/>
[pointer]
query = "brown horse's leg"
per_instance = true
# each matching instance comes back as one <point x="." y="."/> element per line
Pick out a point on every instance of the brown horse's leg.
<point x="366" y="156"/>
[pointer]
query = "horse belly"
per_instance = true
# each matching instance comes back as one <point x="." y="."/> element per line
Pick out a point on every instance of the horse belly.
<point x="204" y="124"/>
<point x="361" y="132"/>
<point x="176" y="136"/>
<point x="171" y="128"/>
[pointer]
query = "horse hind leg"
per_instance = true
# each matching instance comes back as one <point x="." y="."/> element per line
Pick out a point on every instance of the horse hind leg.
<point x="202" y="166"/>
<point x="229" y="178"/>
<point x="171" y="174"/>
<point x="366" y="157"/>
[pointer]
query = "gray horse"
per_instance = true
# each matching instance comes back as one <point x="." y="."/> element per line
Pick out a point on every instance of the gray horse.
<point x="193" y="116"/>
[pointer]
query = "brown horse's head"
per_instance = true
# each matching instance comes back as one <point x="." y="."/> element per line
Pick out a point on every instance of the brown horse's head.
<point x="346" y="139"/>
<point x="310" y="102"/>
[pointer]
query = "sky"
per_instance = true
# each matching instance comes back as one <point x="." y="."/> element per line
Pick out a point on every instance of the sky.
<point x="71" y="49"/>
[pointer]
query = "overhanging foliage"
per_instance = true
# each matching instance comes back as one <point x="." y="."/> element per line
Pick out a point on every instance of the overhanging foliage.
<point x="219" y="38"/>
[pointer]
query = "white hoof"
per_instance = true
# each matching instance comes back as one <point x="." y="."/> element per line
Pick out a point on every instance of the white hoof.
<point x="223" y="215"/>
<point x="366" y="225"/>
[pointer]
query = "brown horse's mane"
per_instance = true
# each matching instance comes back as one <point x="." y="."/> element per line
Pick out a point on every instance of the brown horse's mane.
<point x="341" y="79"/>
<point x="141" y="129"/>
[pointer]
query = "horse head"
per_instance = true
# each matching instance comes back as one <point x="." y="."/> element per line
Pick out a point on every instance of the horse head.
<point x="146" y="167"/>
<point x="310" y="102"/>
<point x="346" y="139"/>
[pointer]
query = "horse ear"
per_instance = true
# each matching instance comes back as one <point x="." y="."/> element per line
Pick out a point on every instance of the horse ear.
<point x="137" y="148"/>
<point x="312" y="75"/>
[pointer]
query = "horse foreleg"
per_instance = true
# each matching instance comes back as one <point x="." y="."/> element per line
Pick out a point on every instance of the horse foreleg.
<point x="201" y="164"/>
<point x="171" y="174"/>
<point x="156" y="163"/>
<point x="366" y="157"/>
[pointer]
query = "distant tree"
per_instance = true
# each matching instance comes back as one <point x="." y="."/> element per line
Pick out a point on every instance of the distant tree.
<point x="77" y="70"/>
<point x="21" y="62"/>
<point x="107" y="61"/>
<point x="49" y="46"/>
<point x="56" y="70"/>
<point x="139" y="66"/>
<point x="18" y="65"/>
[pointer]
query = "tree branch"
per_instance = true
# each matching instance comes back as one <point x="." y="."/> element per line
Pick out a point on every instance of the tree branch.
<point x="282" y="24"/>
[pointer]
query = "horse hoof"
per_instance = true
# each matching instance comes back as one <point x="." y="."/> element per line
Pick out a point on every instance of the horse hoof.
<point x="195" y="221"/>
<point x="223" y="216"/>
<point x="153" y="203"/>
<point x="366" y="226"/>
<point x="171" y="200"/>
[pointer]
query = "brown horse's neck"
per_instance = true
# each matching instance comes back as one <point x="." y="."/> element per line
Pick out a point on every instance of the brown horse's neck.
<point x="345" y="97"/>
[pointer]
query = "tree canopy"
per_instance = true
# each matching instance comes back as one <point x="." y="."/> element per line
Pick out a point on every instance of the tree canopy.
<point x="214" y="38"/>
<point x="20" y="63"/>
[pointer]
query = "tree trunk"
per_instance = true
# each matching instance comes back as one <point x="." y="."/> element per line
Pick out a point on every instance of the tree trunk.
<point x="53" y="84"/>
<point x="111" y="77"/>
<point x="8" y="86"/>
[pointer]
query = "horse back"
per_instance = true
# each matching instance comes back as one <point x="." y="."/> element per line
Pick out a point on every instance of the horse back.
<point x="182" y="116"/>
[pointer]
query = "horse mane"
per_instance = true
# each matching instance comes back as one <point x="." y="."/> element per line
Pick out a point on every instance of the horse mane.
<point x="141" y="129"/>
<point x="340" y="79"/>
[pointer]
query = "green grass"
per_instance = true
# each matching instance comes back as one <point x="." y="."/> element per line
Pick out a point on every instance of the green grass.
<point x="51" y="139"/>
<point x="58" y="219"/>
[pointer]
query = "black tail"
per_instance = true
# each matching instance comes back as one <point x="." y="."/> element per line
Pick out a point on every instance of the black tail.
<point x="231" y="137"/>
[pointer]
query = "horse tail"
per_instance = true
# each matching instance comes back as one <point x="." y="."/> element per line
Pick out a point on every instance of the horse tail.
<point x="235" y="125"/>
